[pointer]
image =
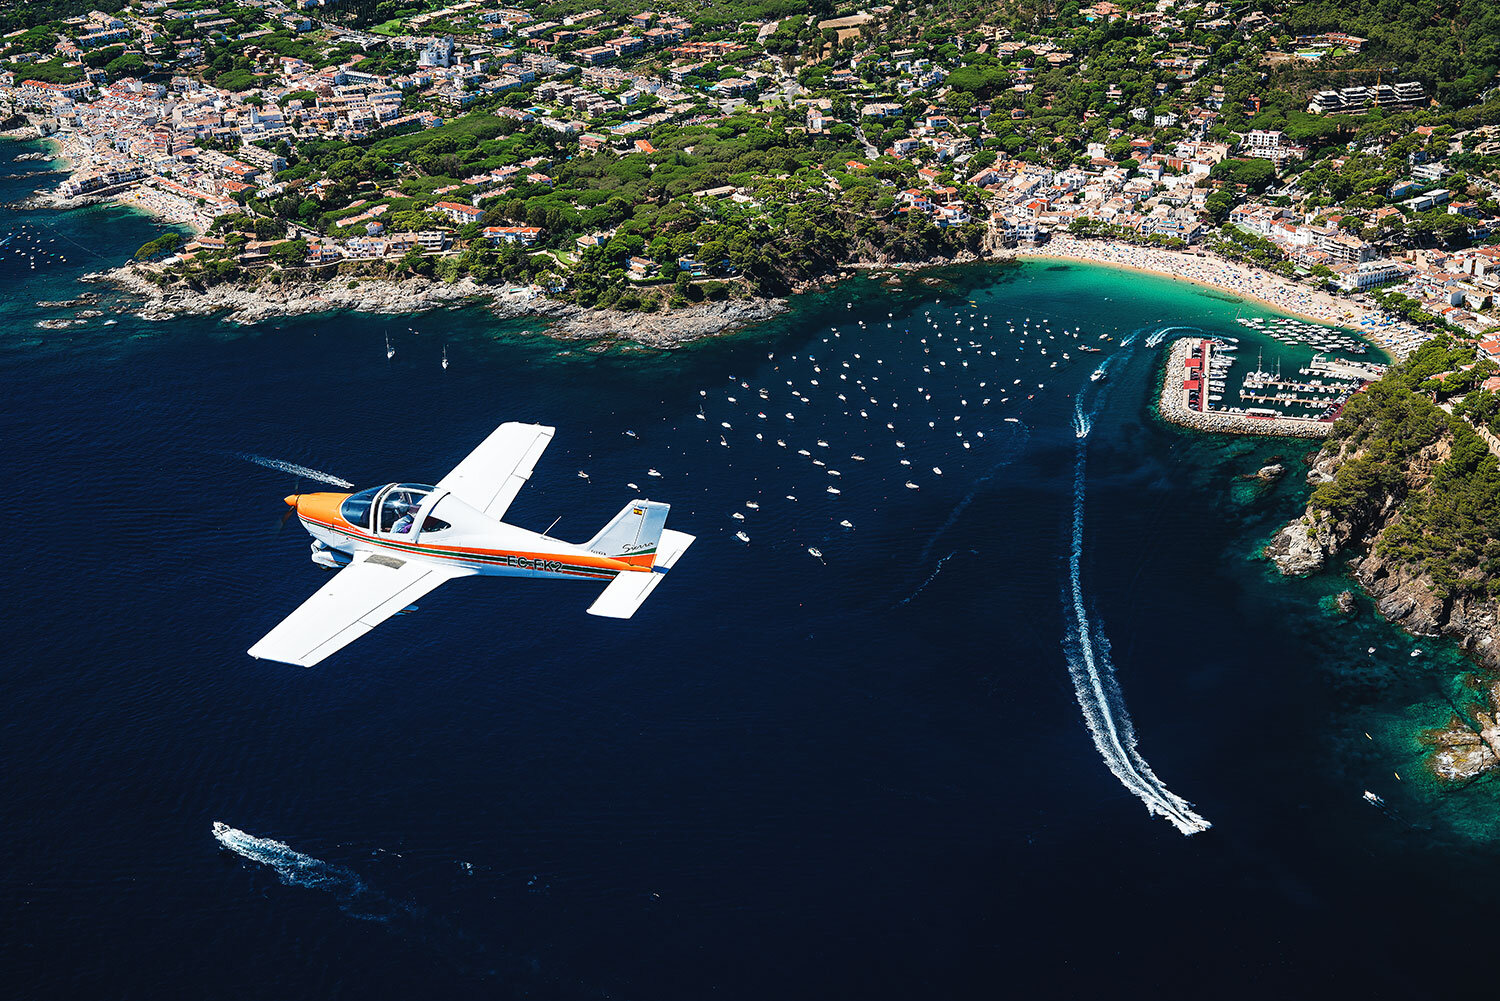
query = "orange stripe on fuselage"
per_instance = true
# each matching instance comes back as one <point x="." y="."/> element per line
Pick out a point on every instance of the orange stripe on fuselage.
<point x="572" y="562"/>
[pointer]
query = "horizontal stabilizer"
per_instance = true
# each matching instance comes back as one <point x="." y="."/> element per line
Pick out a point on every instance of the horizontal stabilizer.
<point x="629" y="590"/>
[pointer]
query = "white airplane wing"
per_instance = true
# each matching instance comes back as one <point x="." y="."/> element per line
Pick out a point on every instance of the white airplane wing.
<point x="358" y="598"/>
<point x="491" y="476"/>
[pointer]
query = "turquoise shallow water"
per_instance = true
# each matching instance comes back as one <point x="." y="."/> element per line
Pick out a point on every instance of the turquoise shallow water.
<point x="920" y="765"/>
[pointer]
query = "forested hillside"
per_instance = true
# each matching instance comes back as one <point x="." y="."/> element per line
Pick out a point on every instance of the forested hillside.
<point x="1451" y="45"/>
<point x="1400" y="444"/>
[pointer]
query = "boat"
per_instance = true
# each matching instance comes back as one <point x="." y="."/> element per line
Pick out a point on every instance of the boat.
<point x="742" y="536"/>
<point x="1097" y="375"/>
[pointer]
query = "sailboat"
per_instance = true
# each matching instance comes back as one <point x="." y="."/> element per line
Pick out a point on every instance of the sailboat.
<point x="390" y="352"/>
<point x="445" y="357"/>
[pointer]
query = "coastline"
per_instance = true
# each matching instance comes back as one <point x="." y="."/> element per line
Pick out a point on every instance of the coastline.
<point x="1222" y="275"/>
<point x="263" y="300"/>
<point x="249" y="304"/>
<point x="253" y="303"/>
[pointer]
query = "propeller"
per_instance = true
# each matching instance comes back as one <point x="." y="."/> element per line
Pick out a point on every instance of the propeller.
<point x="291" y="507"/>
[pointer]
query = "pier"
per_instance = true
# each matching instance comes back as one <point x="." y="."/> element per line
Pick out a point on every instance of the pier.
<point x="1184" y="399"/>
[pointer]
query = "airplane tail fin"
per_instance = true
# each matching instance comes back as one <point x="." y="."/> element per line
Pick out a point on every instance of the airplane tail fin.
<point x="633" y="534"/>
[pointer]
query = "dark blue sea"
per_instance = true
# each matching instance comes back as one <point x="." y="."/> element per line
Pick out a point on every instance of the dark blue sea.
<point x="956" y="753"/>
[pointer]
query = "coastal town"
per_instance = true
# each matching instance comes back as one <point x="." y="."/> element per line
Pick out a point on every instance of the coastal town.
<point x="501" y="143"/>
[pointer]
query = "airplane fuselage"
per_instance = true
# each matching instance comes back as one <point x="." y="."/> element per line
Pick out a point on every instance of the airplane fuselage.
<point x="468" y="540"/>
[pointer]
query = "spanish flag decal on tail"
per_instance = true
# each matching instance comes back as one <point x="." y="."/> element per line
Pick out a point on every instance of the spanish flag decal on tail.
<point x="631" y="537"/>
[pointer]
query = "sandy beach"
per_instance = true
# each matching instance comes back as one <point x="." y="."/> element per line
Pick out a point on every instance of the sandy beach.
<point x="1237" y="279"/>
<point x="166" y="207"/>
<point x="73" y="157"/>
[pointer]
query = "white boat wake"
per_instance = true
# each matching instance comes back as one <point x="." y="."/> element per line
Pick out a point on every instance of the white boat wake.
<point x="1094" y="682"/>
<point x="933" y="576"/>
<point x="414" y="925"/>
<point x="296" y="869"/>
<point x="294" y="469"/>
<point x="1156" y="337"/>
<point x="1082" y="423"/>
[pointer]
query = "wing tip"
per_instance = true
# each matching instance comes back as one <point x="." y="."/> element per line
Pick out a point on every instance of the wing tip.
<point x="259" y="653"/>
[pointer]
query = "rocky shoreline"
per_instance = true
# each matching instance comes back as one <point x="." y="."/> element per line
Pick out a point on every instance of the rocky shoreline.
<point x="1402" y="594"/>
<point x="1463" y="749"/>
<point x="255" y="303"/>
<point x="1407" y="597"/>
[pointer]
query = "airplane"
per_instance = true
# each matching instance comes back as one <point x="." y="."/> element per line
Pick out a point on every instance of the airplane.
<point x="394" y="544"/>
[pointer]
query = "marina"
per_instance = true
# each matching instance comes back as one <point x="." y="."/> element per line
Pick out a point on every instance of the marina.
<point x="1292" y="331"/>
<point x="1197" y="374"/>
<point x="1217" y="386"/>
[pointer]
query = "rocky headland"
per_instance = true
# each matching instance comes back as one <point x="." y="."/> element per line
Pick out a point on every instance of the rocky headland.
<point x="1404" y="593"/>
<point x="246" y="302"/>
<point x="1403" y="500"/>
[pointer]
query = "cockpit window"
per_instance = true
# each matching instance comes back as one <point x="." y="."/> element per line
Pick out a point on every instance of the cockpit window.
<point x="398" y="508"/>
<point x="431" y="524"/>
<point x="356" y="507"/>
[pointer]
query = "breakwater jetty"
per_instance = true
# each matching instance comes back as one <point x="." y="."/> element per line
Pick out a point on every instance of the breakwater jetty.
<point x="1184" y="399"/>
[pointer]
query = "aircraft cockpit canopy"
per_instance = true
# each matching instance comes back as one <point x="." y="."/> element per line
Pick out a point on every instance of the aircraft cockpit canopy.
<point x="390" y="509"/>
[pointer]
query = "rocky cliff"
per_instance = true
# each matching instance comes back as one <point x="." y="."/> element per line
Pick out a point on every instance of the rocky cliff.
<point x="1404" y="593"/>
<point x="1403" y="587"/>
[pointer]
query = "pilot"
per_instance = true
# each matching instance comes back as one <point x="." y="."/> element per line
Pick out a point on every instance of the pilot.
<point x="403" y="524"/>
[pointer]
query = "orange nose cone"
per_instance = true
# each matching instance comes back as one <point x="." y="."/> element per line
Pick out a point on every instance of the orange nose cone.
<point x="291" y="499"/>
